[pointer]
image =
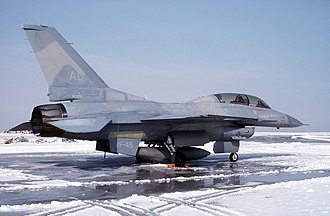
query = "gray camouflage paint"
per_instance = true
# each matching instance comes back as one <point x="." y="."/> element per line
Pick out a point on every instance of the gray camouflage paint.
<point x="119" y="121"/>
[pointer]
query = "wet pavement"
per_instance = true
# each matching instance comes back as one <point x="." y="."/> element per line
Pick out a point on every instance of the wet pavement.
<point x="66" y="176"/>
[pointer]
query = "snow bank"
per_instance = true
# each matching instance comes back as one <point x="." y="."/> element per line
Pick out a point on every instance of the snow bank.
<point x="28" y="143"/>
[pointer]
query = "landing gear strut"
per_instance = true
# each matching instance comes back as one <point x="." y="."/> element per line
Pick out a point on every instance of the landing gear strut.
<point x="177" y="157"/>
<point x="169" y="144"/>
<point x="233" y="157"/>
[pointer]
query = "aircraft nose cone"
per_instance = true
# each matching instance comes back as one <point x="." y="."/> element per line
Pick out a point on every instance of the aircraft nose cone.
<point x="292" y="122"/>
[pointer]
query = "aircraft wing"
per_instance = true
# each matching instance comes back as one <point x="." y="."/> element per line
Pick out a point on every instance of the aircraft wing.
<point x="201" y="118"/>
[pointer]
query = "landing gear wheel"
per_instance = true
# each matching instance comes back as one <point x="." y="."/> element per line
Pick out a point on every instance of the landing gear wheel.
<point x="139" y="160"/>
<point x="233" y="157"/>
<point x="179" y="159"/>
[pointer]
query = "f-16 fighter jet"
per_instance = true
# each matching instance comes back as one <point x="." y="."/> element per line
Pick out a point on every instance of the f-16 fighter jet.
<point x="85" y="107"/>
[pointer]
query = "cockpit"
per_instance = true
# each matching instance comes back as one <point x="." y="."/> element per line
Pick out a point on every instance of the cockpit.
<point x="241" y="99"/>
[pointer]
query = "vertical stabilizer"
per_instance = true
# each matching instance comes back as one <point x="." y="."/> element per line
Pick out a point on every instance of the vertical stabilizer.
<point x="68" y="75"/>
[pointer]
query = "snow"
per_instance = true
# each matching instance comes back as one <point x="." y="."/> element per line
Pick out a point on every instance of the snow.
<point x="149" y="202"/>
<point x="16" y="175"/>
<point x="306" y="197"/>
<point x="43" y="145"/>
<point x="279" y="174"/>
<point x="93" y="210"/>
<point x="183" y="210"/>
<point x="40" y="207"/>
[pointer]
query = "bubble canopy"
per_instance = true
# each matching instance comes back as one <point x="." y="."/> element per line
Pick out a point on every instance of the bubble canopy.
<point x="242" y="99"/>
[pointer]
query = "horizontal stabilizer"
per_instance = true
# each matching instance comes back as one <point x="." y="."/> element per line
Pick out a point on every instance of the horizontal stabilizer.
<point x="26" y="126"/>
<point x="82" y="125"/>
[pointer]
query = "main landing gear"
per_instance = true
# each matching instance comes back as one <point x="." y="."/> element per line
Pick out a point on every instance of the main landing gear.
<point x="177" y="157"/>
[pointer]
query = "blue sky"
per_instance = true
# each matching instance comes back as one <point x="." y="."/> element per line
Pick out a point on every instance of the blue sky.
<point x="175" y="51"/>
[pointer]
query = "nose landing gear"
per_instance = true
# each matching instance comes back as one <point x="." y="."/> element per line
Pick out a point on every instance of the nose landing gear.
<point x="233" y="157"/>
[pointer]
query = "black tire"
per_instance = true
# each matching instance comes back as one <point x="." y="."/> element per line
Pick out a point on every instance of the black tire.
<point x="139" y="160"/>
<point x="179" y="159"/>
<point x="233" y="157"/>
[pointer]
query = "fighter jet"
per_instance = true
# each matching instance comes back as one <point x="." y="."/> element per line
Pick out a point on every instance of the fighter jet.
<point x="85" y="107"/>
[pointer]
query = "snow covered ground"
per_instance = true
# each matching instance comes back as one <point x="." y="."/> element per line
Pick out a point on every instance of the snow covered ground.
<point x="277" y="174"/>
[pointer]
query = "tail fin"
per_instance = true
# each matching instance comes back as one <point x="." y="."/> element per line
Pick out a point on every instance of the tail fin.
<point x="68" y="75"/>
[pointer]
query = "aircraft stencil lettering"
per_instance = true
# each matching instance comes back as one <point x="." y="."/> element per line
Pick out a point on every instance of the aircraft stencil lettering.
<point x="87" y="108"/>
<point x="76" y="76"/>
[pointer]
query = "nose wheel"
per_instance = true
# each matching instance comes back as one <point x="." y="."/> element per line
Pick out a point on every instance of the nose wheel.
<point x="233" y="157"/>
